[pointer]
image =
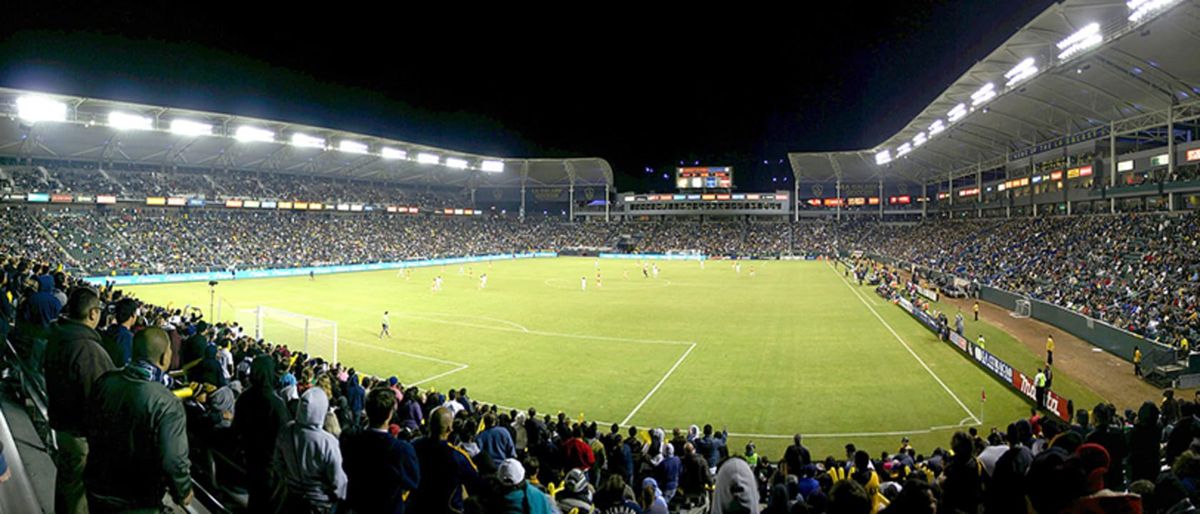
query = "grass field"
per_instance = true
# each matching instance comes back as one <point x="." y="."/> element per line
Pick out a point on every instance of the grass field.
<point x="795" y="348"/>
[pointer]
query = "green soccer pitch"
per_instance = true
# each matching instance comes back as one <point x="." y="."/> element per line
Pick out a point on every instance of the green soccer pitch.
<point x="779" y="348"/>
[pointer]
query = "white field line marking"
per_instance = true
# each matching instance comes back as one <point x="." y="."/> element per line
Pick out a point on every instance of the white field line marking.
<point x="437" y="376"/>
<point x="906" y="347"/>
<point x="929" y="430"/>
<point x="398" y="352"/>
<point x="471" y="316"/>
<point x="659" y="384"/>
<point x="545" y="333"/>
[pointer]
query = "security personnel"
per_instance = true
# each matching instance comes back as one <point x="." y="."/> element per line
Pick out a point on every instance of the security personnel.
<point x="1049" y="349"/>
<point x="976" y="308"/>
<point x="1137" y="361"/>
<point x="1039" y="384"/>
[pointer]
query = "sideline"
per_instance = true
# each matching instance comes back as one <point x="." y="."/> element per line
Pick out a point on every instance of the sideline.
<point x="905" y="344"/>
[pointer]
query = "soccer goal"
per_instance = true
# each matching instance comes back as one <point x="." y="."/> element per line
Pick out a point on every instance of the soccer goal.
<point x="1023" y="309"/>
<point x="311" y="335"/>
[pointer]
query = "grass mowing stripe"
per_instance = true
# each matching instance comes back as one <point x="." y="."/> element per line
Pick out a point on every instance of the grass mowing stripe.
<point x="906" y="347"/>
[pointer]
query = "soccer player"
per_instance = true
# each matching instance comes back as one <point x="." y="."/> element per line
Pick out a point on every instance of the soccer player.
<point x="437" y="283"/>
<point x="737" y="267"/>
<point x="701" y="263"/>
<point x="461" y="271"/>
<point x="645" y="273"/>
<point x="483" y="281"/>
<point x="387" y="324"/>
<point x="752" y="272"/>
<point x="311" y="276"/>
<point x="598" y="279"/>
<point x="583" y="283"/>
<point x="654" y="269"/>
<point x="597" y="263"/>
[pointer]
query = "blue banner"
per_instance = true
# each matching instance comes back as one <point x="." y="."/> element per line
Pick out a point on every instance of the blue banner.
<point x="130" y="280"/>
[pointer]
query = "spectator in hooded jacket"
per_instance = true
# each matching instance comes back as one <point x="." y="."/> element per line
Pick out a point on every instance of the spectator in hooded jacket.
<point x="308" y="459"/>
<point x="261" y="414"/>
<point x="382" y="470"/>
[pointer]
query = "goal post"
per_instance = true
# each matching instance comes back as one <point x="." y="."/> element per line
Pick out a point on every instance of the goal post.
<point x="309" y="334"/>
<point x="1023" y="309"/>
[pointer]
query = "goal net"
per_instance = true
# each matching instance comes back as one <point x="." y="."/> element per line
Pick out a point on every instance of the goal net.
<point x="314" y="336"/>
<point x="1022" y="310"/>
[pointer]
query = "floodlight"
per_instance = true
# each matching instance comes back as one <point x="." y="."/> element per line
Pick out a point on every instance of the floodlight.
<point x="985" y="93"/>
<point x="428" y="158"/>
<point x="957" y="112"/>
<point x="1084" y="39"/>
<point x="392" y="153"/>
<point x="883" y="157"/>
<point x="1139" y="10"/>
<point x="39" y="108"/>
<point x="936" y="127"/>
<point x="191" y="128"/>
<point x="352" y="146"/>
<point x="456" y="163"/>
<point x="492" y="166"/>
<point x="1021" y="71"/>
<point x="919" y="139"/>
<point x="125" y="121"/>
<point x="307" y="141"/>
<point x="248" y="134"/>
<point x="903" y="149"/>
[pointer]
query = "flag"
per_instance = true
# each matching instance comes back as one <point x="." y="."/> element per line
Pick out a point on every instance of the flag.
<point x="983" y="395"/>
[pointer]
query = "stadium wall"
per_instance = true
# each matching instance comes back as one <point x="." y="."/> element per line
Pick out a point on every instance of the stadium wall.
<point x="653" y="256"/>
<point x="1100" y="334"/>
<point x="130" y="280"/>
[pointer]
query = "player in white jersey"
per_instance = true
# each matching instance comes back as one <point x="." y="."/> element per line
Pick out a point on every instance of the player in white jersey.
<point x="701" y="263"/>
<point x="437" y="283"/>
<point x="654" y="270"/>
<point x="483" y="281"/>
<point x="461" y="271"/>
<point x="583" y="283"/>
<point x="737" y="267"/>
<point x="387" y="324"/>
<point x="597" y="265"/>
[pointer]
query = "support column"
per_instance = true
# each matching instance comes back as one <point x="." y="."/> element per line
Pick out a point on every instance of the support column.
<point x="881" y="198"/>
<point x="607" y="200"/>
<point x="1112" y="157"/>
<point x="839" y="196"/>
<point x="979" y="189"/>
<point x="524" y="177"/>
<point x="925" y="197"/>
<point x="1170" y="155"/>
<point x="795" y="199"/>
<point x="571" y="204"/>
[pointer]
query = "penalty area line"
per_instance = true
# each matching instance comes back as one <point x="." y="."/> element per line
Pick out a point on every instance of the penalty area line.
<point x="661" y="381"/>
<point x="905" y="344"/>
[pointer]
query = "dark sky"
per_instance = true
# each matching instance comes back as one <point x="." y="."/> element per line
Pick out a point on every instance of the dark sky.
<point x="736" y="85"/>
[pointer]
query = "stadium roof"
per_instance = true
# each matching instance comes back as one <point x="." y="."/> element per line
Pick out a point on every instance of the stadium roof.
<point x="86" y="130"/>
<point x="1095" y="63"/>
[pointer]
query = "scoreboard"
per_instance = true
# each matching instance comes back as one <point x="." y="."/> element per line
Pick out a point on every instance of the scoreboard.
<point x="707" y="177"/>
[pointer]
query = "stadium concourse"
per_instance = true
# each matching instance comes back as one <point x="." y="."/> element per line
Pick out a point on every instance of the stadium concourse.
<point x="571" y="462"/>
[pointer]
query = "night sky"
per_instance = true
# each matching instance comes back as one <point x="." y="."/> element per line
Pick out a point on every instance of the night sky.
<point x="735" y="86"/>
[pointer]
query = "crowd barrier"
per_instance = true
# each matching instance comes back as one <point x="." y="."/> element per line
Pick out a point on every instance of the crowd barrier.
<point x="131" y="280"/>
<point x="1007" y="374"/>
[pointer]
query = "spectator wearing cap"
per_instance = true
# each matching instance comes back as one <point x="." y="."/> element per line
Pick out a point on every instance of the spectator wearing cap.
<point x="138" y="434"/>
<point x="517" y="495"/>
<point x="381" y="470"/>
<point x="75" y="359"/>
<point x="118" y="337"/>
<point x="446" y="470"/>
<point x="308" y="460"/>
<point x="576" y="493"/>
<point x="667" y="472"/>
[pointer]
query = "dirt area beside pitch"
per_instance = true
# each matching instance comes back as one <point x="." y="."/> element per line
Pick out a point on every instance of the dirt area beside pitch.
<point x="1109" y="376"/>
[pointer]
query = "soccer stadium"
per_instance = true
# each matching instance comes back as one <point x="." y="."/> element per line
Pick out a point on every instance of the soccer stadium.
<point x="991" y="310"/>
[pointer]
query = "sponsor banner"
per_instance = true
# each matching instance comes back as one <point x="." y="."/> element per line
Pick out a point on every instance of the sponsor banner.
<point x="905" y="304"/>
<point x="61" y="198"/>
<point x="195" y="202"/>
<point x="925" y="318"/>
<point x="928" y="293"/>
<point x="156" y="200"/>
<point x="83" y="199"/>
<point x="106" y="199"/>
<point x="653" y="256"/>
<point x="283" y="205"/>
<point x="300" y="206"/>
<point x="129" y="280"/>
<point x="959" y="341"/>
<point x="233" y="204"/>
<point x="251" y="204"/>
<point x="1193" y="155"/>
<point x="992" y="363"/>
<point x="1054" y="402"/>
<point x="38" y="197"/>
<point x="176" y="202"/>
